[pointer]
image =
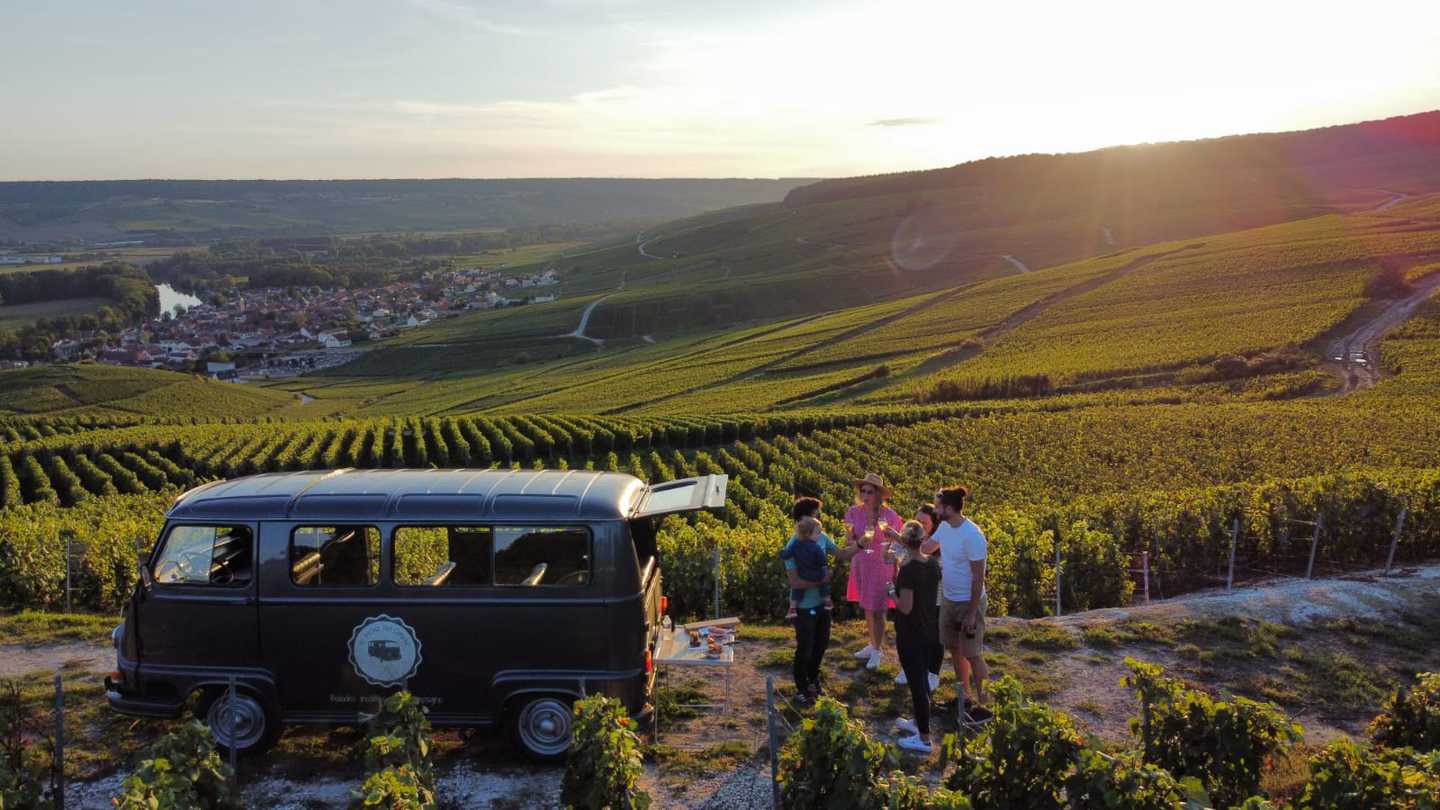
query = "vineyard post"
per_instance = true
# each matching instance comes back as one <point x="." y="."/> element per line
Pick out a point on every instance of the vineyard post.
<point x="229" y="715"/>
<point x="57" y="762"/>
<point x="1230" y="573"/>
<point x="717" y="580"/>
<point x="69" y="537"/>
<point x="1057" y="577"/>
<point x="1395" y="539"/>
<point x="1314" y="545"/>
<point x="1145" y="568"/>
<point x="774" y="748"/>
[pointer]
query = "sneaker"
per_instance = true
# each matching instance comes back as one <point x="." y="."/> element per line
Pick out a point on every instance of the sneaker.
<point x="907" y="726"/>
<point x="866" y="652"/>
<point x="934" y="682"/>
<point x="874" y="662"/>
<point x="901" y="679"/>
<point x="793" y="613"/>
<point x="803" y="700"/>
<point x="915" y="743"/>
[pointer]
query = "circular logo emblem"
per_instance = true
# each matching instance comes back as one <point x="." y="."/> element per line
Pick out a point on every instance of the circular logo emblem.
<point x="385" y="651"/>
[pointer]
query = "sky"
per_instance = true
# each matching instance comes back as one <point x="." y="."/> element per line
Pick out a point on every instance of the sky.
<point x="105" y="89"/>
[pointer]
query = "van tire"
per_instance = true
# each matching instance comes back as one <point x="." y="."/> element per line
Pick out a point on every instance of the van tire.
<point x="541" y="726"/>
<point x="259" y="727"/>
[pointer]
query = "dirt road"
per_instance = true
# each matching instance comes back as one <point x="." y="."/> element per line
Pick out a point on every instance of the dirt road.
<point x="1357" y="354"/>
<point x="1019" y="265"/>
<point x="585" y="321"/>
<point x="1398" y="198"/>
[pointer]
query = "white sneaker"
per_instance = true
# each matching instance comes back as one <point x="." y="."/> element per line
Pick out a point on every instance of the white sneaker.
<point x="875" y="659"/>
<point x="934" y="681"/>
<point x="866" y="652"/>
<point x="914" y="743"/>
<point x="901" y="679"/>
<point x="907" y="726"/>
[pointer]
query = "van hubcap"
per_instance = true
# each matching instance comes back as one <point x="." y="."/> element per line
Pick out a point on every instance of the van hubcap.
<point x="545" y="726"/>
<point x="237" y="723"/>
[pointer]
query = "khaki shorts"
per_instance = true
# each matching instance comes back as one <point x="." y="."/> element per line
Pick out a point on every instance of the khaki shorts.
<point x="952" y="615"/>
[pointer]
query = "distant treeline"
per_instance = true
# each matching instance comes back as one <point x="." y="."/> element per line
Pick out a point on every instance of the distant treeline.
<point x="265" y="267"/>
<point x="132" y="296"/>
<point x="403" y="245"/>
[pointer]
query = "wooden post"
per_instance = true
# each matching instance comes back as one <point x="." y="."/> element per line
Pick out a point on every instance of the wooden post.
<point x="57" y="765"/>
<point x="1057" y="579"/>
<point x="774" y="740"/>
<point x="1145" y="569"/>
<point x="1230" y="574"/>
<point x="69" y="538"/>
<point x="1314" y="545"/>
<point x="228" y="714"/>
<point x="1395" y="539"/>
<point x="717" y="581"/>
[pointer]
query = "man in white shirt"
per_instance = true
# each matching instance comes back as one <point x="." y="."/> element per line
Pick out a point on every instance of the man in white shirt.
<point x="963" y="550"/>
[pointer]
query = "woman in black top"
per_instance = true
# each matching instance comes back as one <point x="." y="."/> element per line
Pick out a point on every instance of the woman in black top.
<point x="916" y="633"/>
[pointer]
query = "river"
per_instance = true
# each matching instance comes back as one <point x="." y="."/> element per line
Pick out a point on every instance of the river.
<point x="173" y="301"/>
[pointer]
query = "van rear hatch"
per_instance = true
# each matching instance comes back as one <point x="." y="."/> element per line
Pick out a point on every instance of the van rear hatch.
<point x="684" y="495"/>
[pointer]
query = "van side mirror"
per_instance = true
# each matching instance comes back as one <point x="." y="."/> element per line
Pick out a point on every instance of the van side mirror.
<point x="146" y="581"/>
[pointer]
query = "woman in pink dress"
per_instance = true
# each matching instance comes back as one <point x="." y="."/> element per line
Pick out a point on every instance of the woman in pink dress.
<point x="871" y="573"/>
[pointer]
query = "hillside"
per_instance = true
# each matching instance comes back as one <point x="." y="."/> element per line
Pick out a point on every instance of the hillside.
<point x="201" y="209"/>
<point x="1148" y="320"/>
<point x="100" y="390"/>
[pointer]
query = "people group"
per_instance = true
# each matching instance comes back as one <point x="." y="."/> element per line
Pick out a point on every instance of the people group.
<point x="928" y="573"/>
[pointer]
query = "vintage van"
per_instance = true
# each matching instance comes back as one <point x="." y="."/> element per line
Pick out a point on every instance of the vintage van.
<point x="495" y="596"/>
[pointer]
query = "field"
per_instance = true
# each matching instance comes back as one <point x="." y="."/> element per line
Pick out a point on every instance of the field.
<point x="15" y="316"/>
<point x="93" y="390"/>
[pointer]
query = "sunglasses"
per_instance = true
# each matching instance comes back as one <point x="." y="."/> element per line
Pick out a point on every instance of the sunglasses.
<point x="866" y="490"/>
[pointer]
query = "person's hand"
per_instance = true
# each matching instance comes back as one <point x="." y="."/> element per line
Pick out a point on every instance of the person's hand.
<point x="889" y="531"/>
<point x="968" y="623"/>
<point x="826" y="576"/>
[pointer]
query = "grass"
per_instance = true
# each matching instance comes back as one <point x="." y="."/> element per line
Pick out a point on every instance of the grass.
<point x="33" y="628"/>
<point x="14" y="316"/>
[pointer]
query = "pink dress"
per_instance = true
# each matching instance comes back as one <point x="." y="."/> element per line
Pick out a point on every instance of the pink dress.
<point x="870" y="575"/>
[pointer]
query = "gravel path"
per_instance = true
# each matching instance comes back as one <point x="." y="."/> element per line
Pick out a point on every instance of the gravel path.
<point x="17" y="659"/>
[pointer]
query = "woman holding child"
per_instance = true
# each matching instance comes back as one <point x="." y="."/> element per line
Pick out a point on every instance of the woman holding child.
<point x="807" y="568"/>
<point x="870" y="522"/>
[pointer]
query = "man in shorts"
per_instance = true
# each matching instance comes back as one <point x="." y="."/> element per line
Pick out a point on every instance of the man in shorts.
<point x="963" y="550"/>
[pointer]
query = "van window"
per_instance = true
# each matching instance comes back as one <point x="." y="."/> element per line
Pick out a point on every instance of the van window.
<point x="205" y="555"/>
<point x="536" y="557"/>
<point x="443" y="556"/>
<point x="335" y="556"/>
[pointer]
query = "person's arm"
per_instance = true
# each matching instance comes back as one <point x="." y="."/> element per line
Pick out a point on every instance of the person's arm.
<point x="905" y="600"/>
<point x="977" y="588"/>
<point x="929" y="546"/>
<point x="845" y="553"/>
<point x="797" y="582"/>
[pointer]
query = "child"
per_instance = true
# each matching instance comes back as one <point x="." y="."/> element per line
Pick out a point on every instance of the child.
<point x="809" y="557"/>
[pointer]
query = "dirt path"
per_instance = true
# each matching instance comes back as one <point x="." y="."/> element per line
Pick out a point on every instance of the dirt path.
<point x="1393" y="201"/>
<point x="585" y="321"/>
<point x="17" y="659"/>
<point x="1356" y="356"/>
<point x="644" y="252"/>
<point x="1019" y="265"/>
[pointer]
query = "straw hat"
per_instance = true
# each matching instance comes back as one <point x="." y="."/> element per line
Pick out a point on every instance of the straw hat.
<point x="874" y="480"/>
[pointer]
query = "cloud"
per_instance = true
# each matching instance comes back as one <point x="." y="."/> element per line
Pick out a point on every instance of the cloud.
<point x="470" y="16"/>
<point x="913" y="121"/>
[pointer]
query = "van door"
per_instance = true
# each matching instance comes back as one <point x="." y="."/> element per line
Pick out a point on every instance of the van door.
<point x="320" y="582"/>
<point x="200" y="610"/>
<point x="684" y="495"/>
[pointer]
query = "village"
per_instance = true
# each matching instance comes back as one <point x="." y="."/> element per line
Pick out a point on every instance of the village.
<point x="246" y="334"/>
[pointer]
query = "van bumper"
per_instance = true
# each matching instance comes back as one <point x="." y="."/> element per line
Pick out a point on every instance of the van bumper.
<point x="136" y="706"/>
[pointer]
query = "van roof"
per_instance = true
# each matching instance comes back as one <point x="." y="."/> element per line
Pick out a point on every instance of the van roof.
<point x="424" y="495"/>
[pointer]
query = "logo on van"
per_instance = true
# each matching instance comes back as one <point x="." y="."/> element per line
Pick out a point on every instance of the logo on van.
<point x="384" y="651"/>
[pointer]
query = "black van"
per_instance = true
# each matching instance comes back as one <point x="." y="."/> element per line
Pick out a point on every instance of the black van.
<point x="495" y="596"/>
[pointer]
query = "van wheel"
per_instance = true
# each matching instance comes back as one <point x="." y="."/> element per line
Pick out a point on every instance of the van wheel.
<point x="243" y="722"/>
<point x="542" y="727"/>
